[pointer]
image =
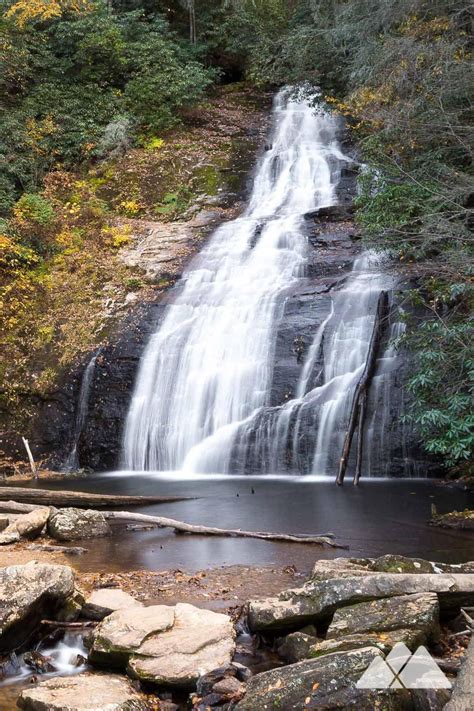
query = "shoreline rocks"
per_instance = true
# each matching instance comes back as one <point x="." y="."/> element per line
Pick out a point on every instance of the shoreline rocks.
<point x="30" y="592"/>
<point x="73" y="524"/>
<point x="85" y="692"/>
<point x="171" y="646"/>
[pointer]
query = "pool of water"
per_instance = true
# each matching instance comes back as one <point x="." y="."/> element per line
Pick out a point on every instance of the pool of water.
<point x="379" y="516"/>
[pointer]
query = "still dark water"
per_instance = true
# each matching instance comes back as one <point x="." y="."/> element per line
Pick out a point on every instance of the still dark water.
<point x="380" y="516"/>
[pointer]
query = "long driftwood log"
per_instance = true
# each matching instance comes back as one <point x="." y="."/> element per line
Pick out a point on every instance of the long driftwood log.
<point x="358" y="406"/>
<point x="182" y="527"/>
<point x="80" y="499"/>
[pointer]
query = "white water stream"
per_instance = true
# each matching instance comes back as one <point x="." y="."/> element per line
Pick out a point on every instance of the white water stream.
<point x="205" y="378"/>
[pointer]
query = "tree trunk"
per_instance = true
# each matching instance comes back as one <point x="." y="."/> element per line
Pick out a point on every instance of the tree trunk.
<point x="360" y="393"/>
<point x="80" y="499"/>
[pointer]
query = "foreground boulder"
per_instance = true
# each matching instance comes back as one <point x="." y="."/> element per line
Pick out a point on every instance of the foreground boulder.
<point x="318" y="599"/>
<point x="418" y="612"/>
<point x="28" y="526"/>
<point x="75" y="524"/>
<point x="326" y="683"/>
<point x="31" y="592"/>
<point x="85" y="692"/>
<point x="164" y="645"/>
<point x="104" y="601"/>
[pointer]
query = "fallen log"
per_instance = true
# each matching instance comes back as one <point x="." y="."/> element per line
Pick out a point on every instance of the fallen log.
<point x="358" y="402"/>
<point x="181" y="527"/>
<point x="80" y="499"/>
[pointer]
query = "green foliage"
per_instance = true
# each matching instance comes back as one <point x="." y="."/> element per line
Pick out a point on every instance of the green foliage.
<point x="443" y="387"/>
<point x="35" y="209"/>
<point x="77" y="86"/>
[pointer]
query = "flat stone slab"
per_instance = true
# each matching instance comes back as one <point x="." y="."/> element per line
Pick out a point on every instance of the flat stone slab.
<point x="30" y="592"/>
<point x="325" y="683"/>
<point x="318" y="599"/>
<point x="390" y="563"/>
<point x="104" y="601"/>
<point x="165" y="645"/>
<point x="416" y="612"/>
<point x="84" y="692"/>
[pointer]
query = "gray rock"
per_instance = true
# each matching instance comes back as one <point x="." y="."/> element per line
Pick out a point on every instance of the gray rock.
<point x="349" y="567"/>
<point x="410" y="612"/>
<point x="31" y="525"/>
<point x="75" y="524"/>
<point x="30" y="592"/>
<point x="85" y="692"/>
<point x="384" y="641"/>
<point x="4" y="521"/>
<point x="295" y="647"/>
<point x="164" y="645"/>
<point x="325" y="683"/>
<point x="463" y="692"/>
<point x="104" y="601"/>
<point x="28" y="526"/>
<point x="430" y="699"/>
<point x="318" y="599"/>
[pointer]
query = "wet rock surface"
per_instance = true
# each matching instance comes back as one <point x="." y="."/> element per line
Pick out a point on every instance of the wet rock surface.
<point x="86" y="692"/>
<point x="28" y="593"/>
<point x="165" y="645"/>
<point x="75" y="524"/>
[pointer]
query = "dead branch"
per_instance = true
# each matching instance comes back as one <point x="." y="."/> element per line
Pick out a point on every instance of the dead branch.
<point x="181" y="527"/>
<point x="360" y="393"/>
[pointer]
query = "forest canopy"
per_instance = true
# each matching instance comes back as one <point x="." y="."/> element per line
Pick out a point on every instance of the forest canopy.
<point x="83" y="80"/>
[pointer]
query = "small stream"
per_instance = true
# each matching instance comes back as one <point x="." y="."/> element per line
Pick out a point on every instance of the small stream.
<point x="66" y="655"/>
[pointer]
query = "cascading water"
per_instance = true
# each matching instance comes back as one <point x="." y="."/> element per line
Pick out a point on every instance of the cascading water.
<point x="72" y="461"/>
<point x="209" y="365"/>
<point x="202" y="401"/>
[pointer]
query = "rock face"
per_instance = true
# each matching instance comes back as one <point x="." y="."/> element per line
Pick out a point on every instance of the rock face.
<point x="28" y="593"/>
<point x="296" y="646"/>
<point x="410" y="612"/>
<point x="463" y="693"/>
<point x="27" y="526"/>
<point x="75" y="524"/>
<point x="326" y="683"/>
<point x="318" y="599"/>
<point x="104" y="601"/>
<point x="85" y="692"/>
<point x="164" y="645"/>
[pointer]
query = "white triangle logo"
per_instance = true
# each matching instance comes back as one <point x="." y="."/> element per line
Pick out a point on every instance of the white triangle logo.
<point x="401" y="669"/>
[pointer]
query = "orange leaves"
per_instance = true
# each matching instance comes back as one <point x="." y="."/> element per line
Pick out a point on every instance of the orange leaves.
<point x="25" y="11"/>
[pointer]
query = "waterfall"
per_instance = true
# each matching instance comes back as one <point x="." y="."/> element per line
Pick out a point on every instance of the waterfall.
<point x="202" y="399"/>
<point x="209" y="365"/>
<point x="72" y="461"/>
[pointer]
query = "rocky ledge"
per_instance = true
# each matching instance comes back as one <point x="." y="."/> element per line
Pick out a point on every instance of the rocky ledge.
<point x="352" y="618"/>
